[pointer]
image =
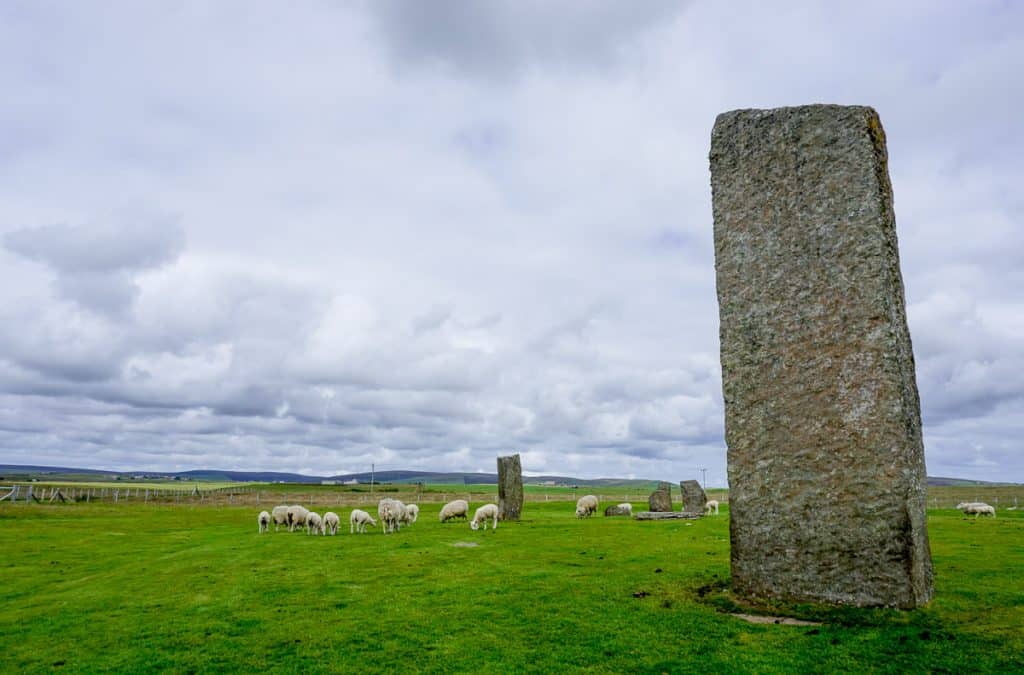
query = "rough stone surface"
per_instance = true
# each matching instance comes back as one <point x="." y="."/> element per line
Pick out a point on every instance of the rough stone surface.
<point x="661" y="498"/>
<point x="614" y="510"/>
<point x="694" y="498"/>
<point x="822" y="419"/>
<point x="510" y="487"/>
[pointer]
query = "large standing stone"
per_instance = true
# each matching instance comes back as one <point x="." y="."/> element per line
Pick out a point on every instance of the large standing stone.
<point x="661" y="498"/>
<point x="510" y="487"/>
<point x="694" y="497"/>
<point x="822" y="419"/>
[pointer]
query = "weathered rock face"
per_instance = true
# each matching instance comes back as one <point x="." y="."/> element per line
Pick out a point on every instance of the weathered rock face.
<point x="614" y="510"/>
<point x="694" y="498"/>
<point x="822" y="419"/>
<point x="510" y="487"/>
<point x="661" y="498"/>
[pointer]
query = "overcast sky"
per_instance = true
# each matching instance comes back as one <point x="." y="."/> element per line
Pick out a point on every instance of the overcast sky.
<point x="309" y="236"/>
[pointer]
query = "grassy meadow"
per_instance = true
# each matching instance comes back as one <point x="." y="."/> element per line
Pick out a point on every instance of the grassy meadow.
<point x="193" y="588"/>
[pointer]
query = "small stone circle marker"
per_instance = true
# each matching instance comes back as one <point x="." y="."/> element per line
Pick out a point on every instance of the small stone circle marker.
<point x="822" y="418"/>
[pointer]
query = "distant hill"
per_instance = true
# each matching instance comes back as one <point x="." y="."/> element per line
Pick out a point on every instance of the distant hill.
<point x="391" y="476"/>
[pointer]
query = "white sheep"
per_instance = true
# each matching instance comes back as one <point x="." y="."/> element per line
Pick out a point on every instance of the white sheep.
<point x="455" y="509"/>
<point x="412" y="512"/>
<point x="482" y="514"/>
<point x="626" y="507"/>
<point x="331" y="522"/>
<point x="264" y="520"/>
<point x="586" y="506"/>
<point x="314" y="523"/>
<point x="296" y="517"/>
<point x="392" y="514"/>
<point x="711" y="504"/>
<point x="358" y="521"/>
<point x="280" y="516"/>
<point x="977" y="508"/>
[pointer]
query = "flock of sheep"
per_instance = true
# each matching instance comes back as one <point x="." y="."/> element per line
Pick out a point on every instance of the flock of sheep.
<point x="392" y="513"/>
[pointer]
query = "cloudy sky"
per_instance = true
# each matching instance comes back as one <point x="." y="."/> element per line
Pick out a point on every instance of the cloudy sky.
<point x="310" y="236"/>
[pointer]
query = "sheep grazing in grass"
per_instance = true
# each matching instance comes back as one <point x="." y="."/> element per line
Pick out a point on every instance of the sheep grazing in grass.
<point x="976" y="508"/>
<point x="626" y="507"/>
<point x="280" y="516"/>
<point x="412" y="512"/>
<point x="485" y="512"/>
<point x="314" y="523"/>
<point x="264" y="520"/>
<point x="391" y="513"/>
<point x="586" y="506"/>
<point x="358" y="521"/>
<point x="296" y="517"/>
<point x="331" y="522"/>
<point x="456" y="509"/>
<point x="712" y="504"/>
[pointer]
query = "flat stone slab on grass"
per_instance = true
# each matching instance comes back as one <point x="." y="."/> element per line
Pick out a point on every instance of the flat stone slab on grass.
<point x="779" y="620"/>
<point x="667" y="515"/>
<point x="465" y="544"/>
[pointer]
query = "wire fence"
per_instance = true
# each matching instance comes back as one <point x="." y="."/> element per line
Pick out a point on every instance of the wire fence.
<point x="944" y="497"/>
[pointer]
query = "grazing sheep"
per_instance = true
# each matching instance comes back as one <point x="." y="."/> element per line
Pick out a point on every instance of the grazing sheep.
<point x="586" y="506"/>
<point x="264" y="520"/>
<point x="358" y="521"/>
<point x="296" y="517"/>
<point x="711" y="504"/>
<point x="456" y="509"/>
<point x="314" y="523"/>
<point x="392" y="514"/>
<point x="280" y="516"/>
<point x="482" y="514"/>
<point x="627" y="507"/>
<point x="412" y="512"/>
<point x="977" y="508"/>
<point x="331" y="522"/>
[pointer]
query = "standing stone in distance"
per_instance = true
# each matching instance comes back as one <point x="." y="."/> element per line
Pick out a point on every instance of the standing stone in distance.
<point x="694" y="498"/>
<point x="510" y="487"/>
<point x="661" y="498"/>
<point x="822" y="419"/>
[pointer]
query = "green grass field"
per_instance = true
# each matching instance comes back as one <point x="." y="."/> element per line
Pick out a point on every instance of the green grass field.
<point x="145" y="587"/>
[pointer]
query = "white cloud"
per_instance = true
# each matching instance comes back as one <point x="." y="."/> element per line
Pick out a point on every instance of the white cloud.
<point x="479" y="230"/>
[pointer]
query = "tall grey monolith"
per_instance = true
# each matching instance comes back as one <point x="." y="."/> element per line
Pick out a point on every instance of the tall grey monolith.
<point x="822" y="419"/>
<point x="694" y="497"/>
<point x="510" y="487"/>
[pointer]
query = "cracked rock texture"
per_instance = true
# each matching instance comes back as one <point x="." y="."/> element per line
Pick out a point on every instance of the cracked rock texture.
<point x="822" y="418"/>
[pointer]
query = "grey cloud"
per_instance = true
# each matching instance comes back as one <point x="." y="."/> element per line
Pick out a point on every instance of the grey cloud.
<point x="128" y="245"/>
<point x="96" y="264"/>
<point x="502" y="37"/>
